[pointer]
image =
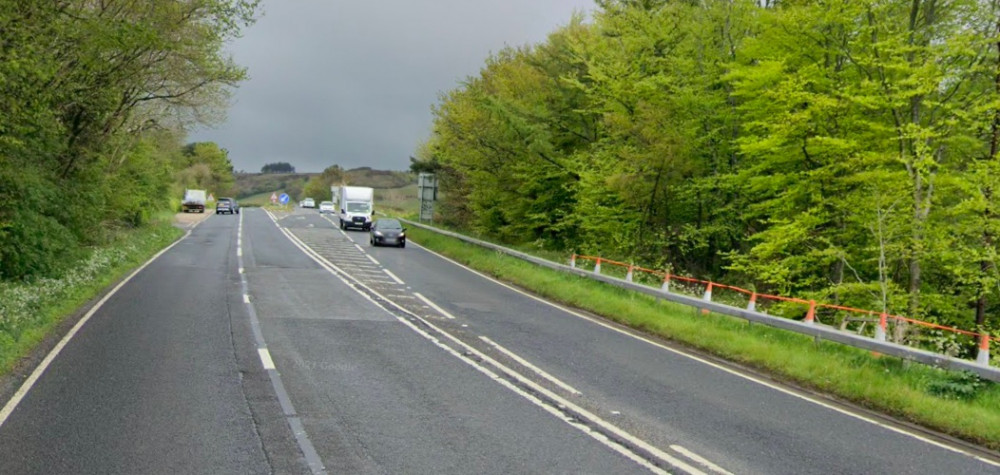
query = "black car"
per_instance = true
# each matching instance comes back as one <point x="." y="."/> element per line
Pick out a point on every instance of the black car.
<point x="227" y="205"/>
<point x="389" y="232"/>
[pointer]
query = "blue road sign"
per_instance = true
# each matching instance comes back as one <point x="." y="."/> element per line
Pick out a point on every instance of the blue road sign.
<point x="283" y="198"/>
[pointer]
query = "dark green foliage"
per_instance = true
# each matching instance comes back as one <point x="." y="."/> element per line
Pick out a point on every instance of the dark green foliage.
<point x="33" y="239"/>
<point x="277" y="167"/>
<point x="952" y="385"/>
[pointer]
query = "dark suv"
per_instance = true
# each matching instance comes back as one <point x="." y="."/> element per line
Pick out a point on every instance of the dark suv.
<point x="227" y="205"/>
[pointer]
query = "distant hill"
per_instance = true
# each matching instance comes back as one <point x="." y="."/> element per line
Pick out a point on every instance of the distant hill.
<point x="365" y="176"/>
<point x="249" y="184"/>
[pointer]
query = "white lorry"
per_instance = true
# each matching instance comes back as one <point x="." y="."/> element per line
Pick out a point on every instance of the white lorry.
<point x="356" y="203"/>
<point x="194" y="200"/>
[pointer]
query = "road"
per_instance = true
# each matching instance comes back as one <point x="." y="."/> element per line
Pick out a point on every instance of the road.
<point x="277" y="343"/>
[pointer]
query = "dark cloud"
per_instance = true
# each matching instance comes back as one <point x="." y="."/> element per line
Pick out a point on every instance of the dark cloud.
<point x="352" y="82"/>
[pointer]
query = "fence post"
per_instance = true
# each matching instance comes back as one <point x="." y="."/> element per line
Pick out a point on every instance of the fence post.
<point x="572" y="261"/>
<point x="597" y="267"/>
<point x="811" y="314"/>
<point x="983" y="358"/>
<point x="628" y="275"/>
<point x="666" y="283"/>
<point x="752" y="306"/>
<point x="883" y="324"/>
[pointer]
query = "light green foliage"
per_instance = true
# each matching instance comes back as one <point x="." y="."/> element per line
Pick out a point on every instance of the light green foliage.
<point x="318" y="187"/>
<point x="206" y="166"/>
<point x="845" y="152"/>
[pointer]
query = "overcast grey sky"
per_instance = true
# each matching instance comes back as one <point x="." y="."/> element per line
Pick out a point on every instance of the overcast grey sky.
<point x="352" y="82"/>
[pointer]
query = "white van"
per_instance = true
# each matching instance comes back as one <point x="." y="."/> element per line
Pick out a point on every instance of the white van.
<point x="356" y="207"/>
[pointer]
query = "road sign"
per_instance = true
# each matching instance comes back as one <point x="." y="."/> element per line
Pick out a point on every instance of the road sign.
<point x="283" y="198"/>
<point x="427" y="187"/>
<point x="274" y="198"/>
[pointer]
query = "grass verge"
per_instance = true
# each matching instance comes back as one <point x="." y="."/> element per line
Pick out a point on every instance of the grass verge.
<point x="957" y="404"/>
<point x="29" y="311"/>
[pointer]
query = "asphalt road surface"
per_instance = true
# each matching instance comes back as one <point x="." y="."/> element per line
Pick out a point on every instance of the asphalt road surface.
<point x="277" y="343"/>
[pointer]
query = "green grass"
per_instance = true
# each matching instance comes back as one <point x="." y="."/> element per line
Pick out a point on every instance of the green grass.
<point x="397" y="201"/>
<point x="29" y="311"/>
<point x="961" y="405"/>
<point x="260" y="199"/>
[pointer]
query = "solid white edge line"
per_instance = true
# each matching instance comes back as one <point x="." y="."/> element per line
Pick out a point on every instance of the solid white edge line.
<point x="702" y="460"/>
<point x="722" y="368"/>
<point x="312" y="457"/>
<point x="433" y="305"/>
<point x="397" y="279"/>
<point x="370" y="258"/>
<point x="526" y="364"/>
<point x="265" y="358"/>
<point x="359" y="247"/>
<point x="621" y="433"/>
<point x="40" y="369"/>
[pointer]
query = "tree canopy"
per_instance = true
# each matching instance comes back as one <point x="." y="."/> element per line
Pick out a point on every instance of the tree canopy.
<point x="844" y="152"/>
<point x="277" y="167"/>
<point x="94" y="101"/>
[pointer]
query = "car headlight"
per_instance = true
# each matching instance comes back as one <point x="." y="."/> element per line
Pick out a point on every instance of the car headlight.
<point x="378" y="233"/>
<point x="402" y="235"/>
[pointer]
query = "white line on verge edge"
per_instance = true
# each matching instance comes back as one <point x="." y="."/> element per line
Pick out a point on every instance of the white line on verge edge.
<point x="37" y="373"/>
<point x="526" y="364"/>
<point x="720" y="367"/>
<point x="294" y="423"/>
<point x="433" y="305"/>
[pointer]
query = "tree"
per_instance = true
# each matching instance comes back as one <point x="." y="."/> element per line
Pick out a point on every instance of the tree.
<point x="278" y="167"/>
<point x="318" y="186"/>
<point x="88" y="90"/>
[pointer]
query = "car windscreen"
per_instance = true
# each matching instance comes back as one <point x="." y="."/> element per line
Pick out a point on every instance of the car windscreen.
<point x="389" y="224"/>
<point x="358" y="207"/>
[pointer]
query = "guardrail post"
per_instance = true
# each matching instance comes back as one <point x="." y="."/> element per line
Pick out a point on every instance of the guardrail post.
<point x="628" y="275"/>
<point x="811" y="314"/>
<point x="752" y="306"/>
<point x="666" y="283"/>
<point x="983" y="357"/>
<point x="572" y="261"/>
<point x="597" y="267"/>
<point x="883" y="324"/>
